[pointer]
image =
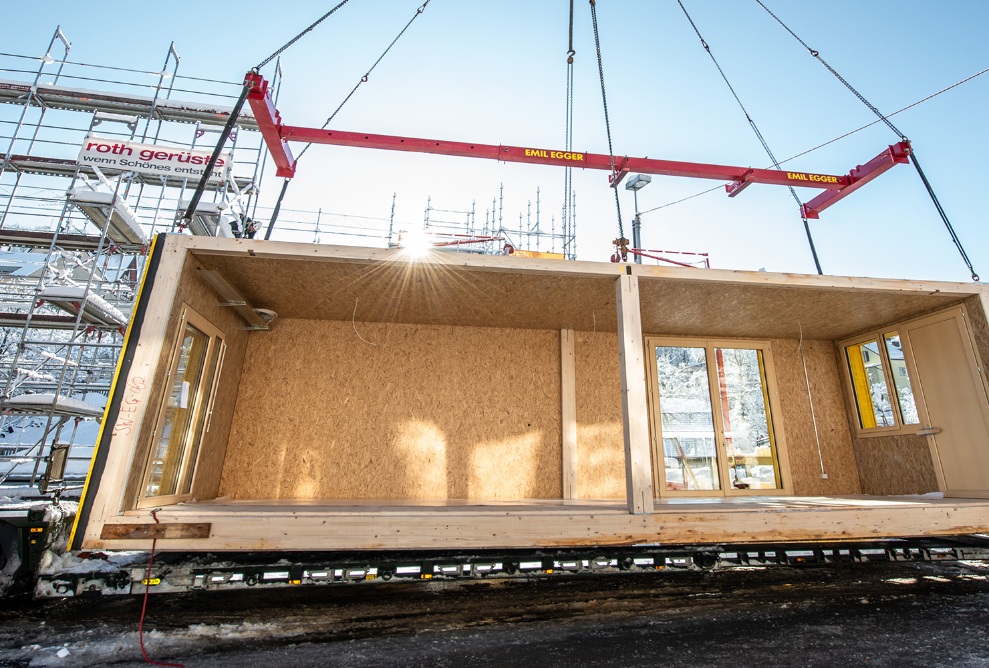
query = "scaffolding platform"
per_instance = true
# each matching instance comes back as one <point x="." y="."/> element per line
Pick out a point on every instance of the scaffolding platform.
<point x="205" y="221"/>
<point x="80" y="99"/>
<point x="43" y="404"/>
<point x="123" y="228"/>
<point x="38" y="320"/>
<point x="95" y="310"/>
<point x="44" y="238"/>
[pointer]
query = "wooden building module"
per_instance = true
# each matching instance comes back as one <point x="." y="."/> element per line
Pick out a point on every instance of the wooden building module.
<point x="459" y="401"/>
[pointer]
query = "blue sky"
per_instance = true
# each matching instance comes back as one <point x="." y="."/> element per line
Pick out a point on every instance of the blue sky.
<point x="495" y="73"/>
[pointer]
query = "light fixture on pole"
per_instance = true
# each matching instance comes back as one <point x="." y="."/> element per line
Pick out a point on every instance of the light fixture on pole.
<point x="635" y="184"/>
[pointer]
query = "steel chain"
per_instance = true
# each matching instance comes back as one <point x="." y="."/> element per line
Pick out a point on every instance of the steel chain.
<point x="607" y="122"/>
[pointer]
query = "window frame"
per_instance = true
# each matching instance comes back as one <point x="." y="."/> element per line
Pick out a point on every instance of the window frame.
<point x="201" y="415"/>
<point x="775" y="416"/>
<point x="878" y="336"/>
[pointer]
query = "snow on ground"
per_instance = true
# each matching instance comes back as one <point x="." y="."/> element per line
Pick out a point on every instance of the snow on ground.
<point x="906" y="614"/>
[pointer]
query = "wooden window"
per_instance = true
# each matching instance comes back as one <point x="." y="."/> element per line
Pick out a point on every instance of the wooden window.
<point x="184" y="416"/>
<point x="714" y="404"/>
<point x="879" y="381"/>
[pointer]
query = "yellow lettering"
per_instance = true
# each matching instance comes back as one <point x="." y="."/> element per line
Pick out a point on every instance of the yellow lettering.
<point x="554" y="155"/>
<point x="565" y="155"/>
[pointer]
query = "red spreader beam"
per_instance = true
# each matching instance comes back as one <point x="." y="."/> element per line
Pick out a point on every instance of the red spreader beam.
<point x="277" y="135"/>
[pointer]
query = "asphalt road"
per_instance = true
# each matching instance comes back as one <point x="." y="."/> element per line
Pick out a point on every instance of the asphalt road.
<point x="900" y="615"/>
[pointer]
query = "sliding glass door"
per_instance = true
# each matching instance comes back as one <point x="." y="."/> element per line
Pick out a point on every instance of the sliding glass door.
<point x="713" y="419"/>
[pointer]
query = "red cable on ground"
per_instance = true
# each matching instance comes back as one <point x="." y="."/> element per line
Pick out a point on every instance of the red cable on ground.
<point x="144" y="605"/>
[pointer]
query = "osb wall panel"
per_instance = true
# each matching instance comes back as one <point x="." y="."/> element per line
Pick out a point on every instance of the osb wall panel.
<point x="980" y="328"/>
<point x="798" y="423"/>
<point x="191" y="290"/>
<point x="600" y="447"/>
<point x="397" y="411"/>
<point x="600" y="440"/>
<point x="890" y="465"/>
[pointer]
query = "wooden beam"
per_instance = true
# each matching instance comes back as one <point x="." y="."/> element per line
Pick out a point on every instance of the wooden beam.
<point x="635" y="410"/>
<point x="568" y="413"/>
<point x="104" y="493"/>
<point x="707" y="522"/>
<point x="149" y="531"/>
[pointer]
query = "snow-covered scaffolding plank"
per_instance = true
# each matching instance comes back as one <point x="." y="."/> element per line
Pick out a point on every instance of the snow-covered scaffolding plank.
<point x="80" y="99"/>
<point x="45" y="403"/>
<point x="95" y="309"/>
<point x="38" y="320"/>
<point x="123" y="228"/>
<point x="207" y="220"/>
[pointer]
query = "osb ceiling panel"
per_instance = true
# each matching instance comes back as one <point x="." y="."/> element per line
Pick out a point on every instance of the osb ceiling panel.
<point x="494" y="296"/>
<point x="762" y="311"/>
<point x="425" y="294"/>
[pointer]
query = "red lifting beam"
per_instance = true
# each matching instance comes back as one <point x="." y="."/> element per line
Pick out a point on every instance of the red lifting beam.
<point x="896" y="154"/>
<point x="276" y="136"/>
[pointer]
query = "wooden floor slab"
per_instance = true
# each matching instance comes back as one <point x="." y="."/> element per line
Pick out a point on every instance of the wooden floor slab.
<point x="346" y="525"/>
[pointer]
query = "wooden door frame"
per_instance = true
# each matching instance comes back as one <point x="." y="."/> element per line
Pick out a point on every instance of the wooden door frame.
<point x="215" y="344"/>
<point x="959" y="314"/>
<point x="775" y="417"/>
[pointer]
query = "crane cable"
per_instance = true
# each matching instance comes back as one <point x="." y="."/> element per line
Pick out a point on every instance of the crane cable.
<point x="568" y="251"/>
<point x="758" y="134"/>
<point x="362" y="80"/>
<point x="299" y="36"/>
<point x="885" y="119"/>
<point x="232" y="120"/>
<point x="833" y="140"/>
<point x="367" y="74"/>
<point x="620" y="241"/>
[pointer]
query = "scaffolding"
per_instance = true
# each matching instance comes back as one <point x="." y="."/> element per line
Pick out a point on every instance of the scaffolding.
<point x="458" y="231"/>
<point x="74" y="236"/>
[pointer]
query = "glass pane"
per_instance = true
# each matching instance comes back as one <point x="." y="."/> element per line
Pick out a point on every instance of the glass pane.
<point x="209" y="376"/>
<point x="869" y="383"/>
<point x="170" y="449"/>
<point x="901" y="381"/>
<point x="690" y="458"/>
<point x="745" y="411"/>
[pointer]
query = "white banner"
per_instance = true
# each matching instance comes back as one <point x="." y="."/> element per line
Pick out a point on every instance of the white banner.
<point x="178" y="163"/>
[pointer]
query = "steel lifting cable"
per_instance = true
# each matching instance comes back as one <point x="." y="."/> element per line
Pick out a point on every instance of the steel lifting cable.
<point x="362" y="80"/>
<point x="367" y="74"/>
<point x="885" y="119"/>
<point x="299" y="36"/>
<point x="835" y="139"/>
<point x="758" y="134"/>
<point x="607" y="123"/>
<point x="568" y="145"/>
<point x="232" y="120"/>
